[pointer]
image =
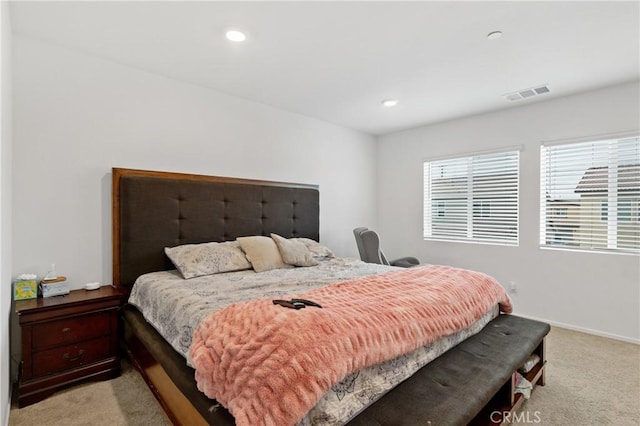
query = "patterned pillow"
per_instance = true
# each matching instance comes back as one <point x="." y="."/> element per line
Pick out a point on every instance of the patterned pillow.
<point x="196" y="260"/>
<point x="317" y="249"/>
<point x="294" y="252"/>
<point x="262" y="252"/>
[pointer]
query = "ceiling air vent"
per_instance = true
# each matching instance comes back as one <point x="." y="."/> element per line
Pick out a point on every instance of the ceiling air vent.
<point x="527" y="93"/>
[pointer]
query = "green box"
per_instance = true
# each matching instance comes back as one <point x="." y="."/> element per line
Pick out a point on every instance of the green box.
<point x="25" y="289"/>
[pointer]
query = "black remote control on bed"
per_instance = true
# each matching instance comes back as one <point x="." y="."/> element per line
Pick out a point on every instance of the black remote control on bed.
<point x="306" y="302"/>
<point x="289" y="304"/>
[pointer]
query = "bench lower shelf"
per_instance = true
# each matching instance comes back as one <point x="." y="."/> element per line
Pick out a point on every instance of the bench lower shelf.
<point x="503" y="407"/>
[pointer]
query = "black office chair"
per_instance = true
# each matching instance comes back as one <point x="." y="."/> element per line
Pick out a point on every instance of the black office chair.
<point x="369" y="247"/>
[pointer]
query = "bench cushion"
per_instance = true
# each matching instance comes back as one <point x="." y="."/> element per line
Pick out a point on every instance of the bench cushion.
<point x="455" y="387"/>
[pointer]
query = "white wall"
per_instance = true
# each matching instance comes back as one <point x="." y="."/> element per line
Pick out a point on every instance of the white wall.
<point x="77" y="116"/>
<point x="595" y="292"/>
<point x="5" y="209"/>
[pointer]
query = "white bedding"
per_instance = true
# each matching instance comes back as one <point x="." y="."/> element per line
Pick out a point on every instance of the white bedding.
<point x="175" y="307"/>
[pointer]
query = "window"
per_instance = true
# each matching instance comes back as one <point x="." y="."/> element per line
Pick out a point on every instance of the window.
<point x="561" y="212"/>
<point x="604" y="211"/>
<point x="598" y="183"/>
<point x="472" y="198"/>
<point x="482" y="208"/>
<point x="624" y="211"/>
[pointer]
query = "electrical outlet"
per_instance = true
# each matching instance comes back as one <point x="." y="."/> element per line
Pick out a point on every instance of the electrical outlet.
<point x="513" y="288"/>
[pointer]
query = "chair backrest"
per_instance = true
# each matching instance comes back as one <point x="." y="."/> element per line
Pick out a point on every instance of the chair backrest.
<point x="357" y="233"/>
<point x="368" y="244"/>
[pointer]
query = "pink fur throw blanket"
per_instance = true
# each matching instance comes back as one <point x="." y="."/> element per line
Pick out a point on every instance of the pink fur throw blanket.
<point x="269" y="365"/>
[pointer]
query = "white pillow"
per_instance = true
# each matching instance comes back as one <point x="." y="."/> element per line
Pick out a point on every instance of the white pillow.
<point x="262" y="252"/>
<point x="196" y="260"/>
<point x="294" y="252"/>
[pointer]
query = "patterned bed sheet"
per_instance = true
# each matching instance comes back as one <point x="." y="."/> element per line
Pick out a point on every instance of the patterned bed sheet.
<point x="175" y="306"/>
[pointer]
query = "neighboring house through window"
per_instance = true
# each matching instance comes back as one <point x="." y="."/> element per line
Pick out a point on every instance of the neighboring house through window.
<point x="599" y="183"/>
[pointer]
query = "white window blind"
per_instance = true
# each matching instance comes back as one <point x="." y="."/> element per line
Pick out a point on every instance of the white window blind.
<point x="472" y="198"/>
<point x="590" y="195"/>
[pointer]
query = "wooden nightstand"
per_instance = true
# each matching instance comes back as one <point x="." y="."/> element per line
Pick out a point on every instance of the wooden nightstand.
<point x="66" y="339"/>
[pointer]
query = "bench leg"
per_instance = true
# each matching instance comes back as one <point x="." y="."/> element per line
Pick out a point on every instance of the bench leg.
<point x="540" y="350"/>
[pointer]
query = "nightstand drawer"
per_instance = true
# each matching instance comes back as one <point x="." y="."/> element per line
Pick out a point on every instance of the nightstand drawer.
<point x="70" y="330"/>
<point x="67" y="357"/>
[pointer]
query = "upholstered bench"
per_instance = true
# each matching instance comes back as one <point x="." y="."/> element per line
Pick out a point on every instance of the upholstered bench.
<point x="473" y="382"/>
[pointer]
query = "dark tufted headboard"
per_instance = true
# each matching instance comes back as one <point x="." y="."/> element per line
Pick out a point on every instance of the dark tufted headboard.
<point x="153" y="210"/>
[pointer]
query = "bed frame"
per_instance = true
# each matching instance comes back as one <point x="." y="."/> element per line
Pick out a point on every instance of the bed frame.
<point x="153" y="210"/>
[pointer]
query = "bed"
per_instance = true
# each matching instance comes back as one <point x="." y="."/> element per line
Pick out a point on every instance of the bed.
<point x="154" y="210"/>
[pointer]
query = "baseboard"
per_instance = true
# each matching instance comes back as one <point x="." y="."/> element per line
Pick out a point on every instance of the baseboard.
<point x="585" y="330"/>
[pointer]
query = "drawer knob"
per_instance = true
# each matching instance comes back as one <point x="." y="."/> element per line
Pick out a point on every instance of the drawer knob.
<point x="66" y="330"/>
<point x="67" y="356"/>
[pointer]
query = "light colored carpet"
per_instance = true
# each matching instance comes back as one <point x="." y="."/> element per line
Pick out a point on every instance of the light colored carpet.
<point x="590" y="381"/>
<point x="125" y="400"/>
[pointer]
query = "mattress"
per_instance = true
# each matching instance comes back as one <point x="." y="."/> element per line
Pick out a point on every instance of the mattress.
<point x="175" y="307"/>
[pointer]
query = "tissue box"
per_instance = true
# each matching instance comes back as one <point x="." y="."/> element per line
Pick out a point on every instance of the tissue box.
<point x="25" y="289"/>
<point x="55" y="287"/>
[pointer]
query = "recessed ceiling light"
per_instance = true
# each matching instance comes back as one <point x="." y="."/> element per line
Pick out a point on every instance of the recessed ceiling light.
<point x="390" y="102"/>
<point x="235" y="35"/>
<point x="494" y="35"/>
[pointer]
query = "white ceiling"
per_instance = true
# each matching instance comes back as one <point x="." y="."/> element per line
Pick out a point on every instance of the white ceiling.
<point x="336" y="61"/>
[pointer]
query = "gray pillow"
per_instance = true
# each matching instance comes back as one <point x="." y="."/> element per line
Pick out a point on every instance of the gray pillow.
<point x="318" y="250"/>
<point x="294" y="252"/>
<point x="196" y="260"/>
